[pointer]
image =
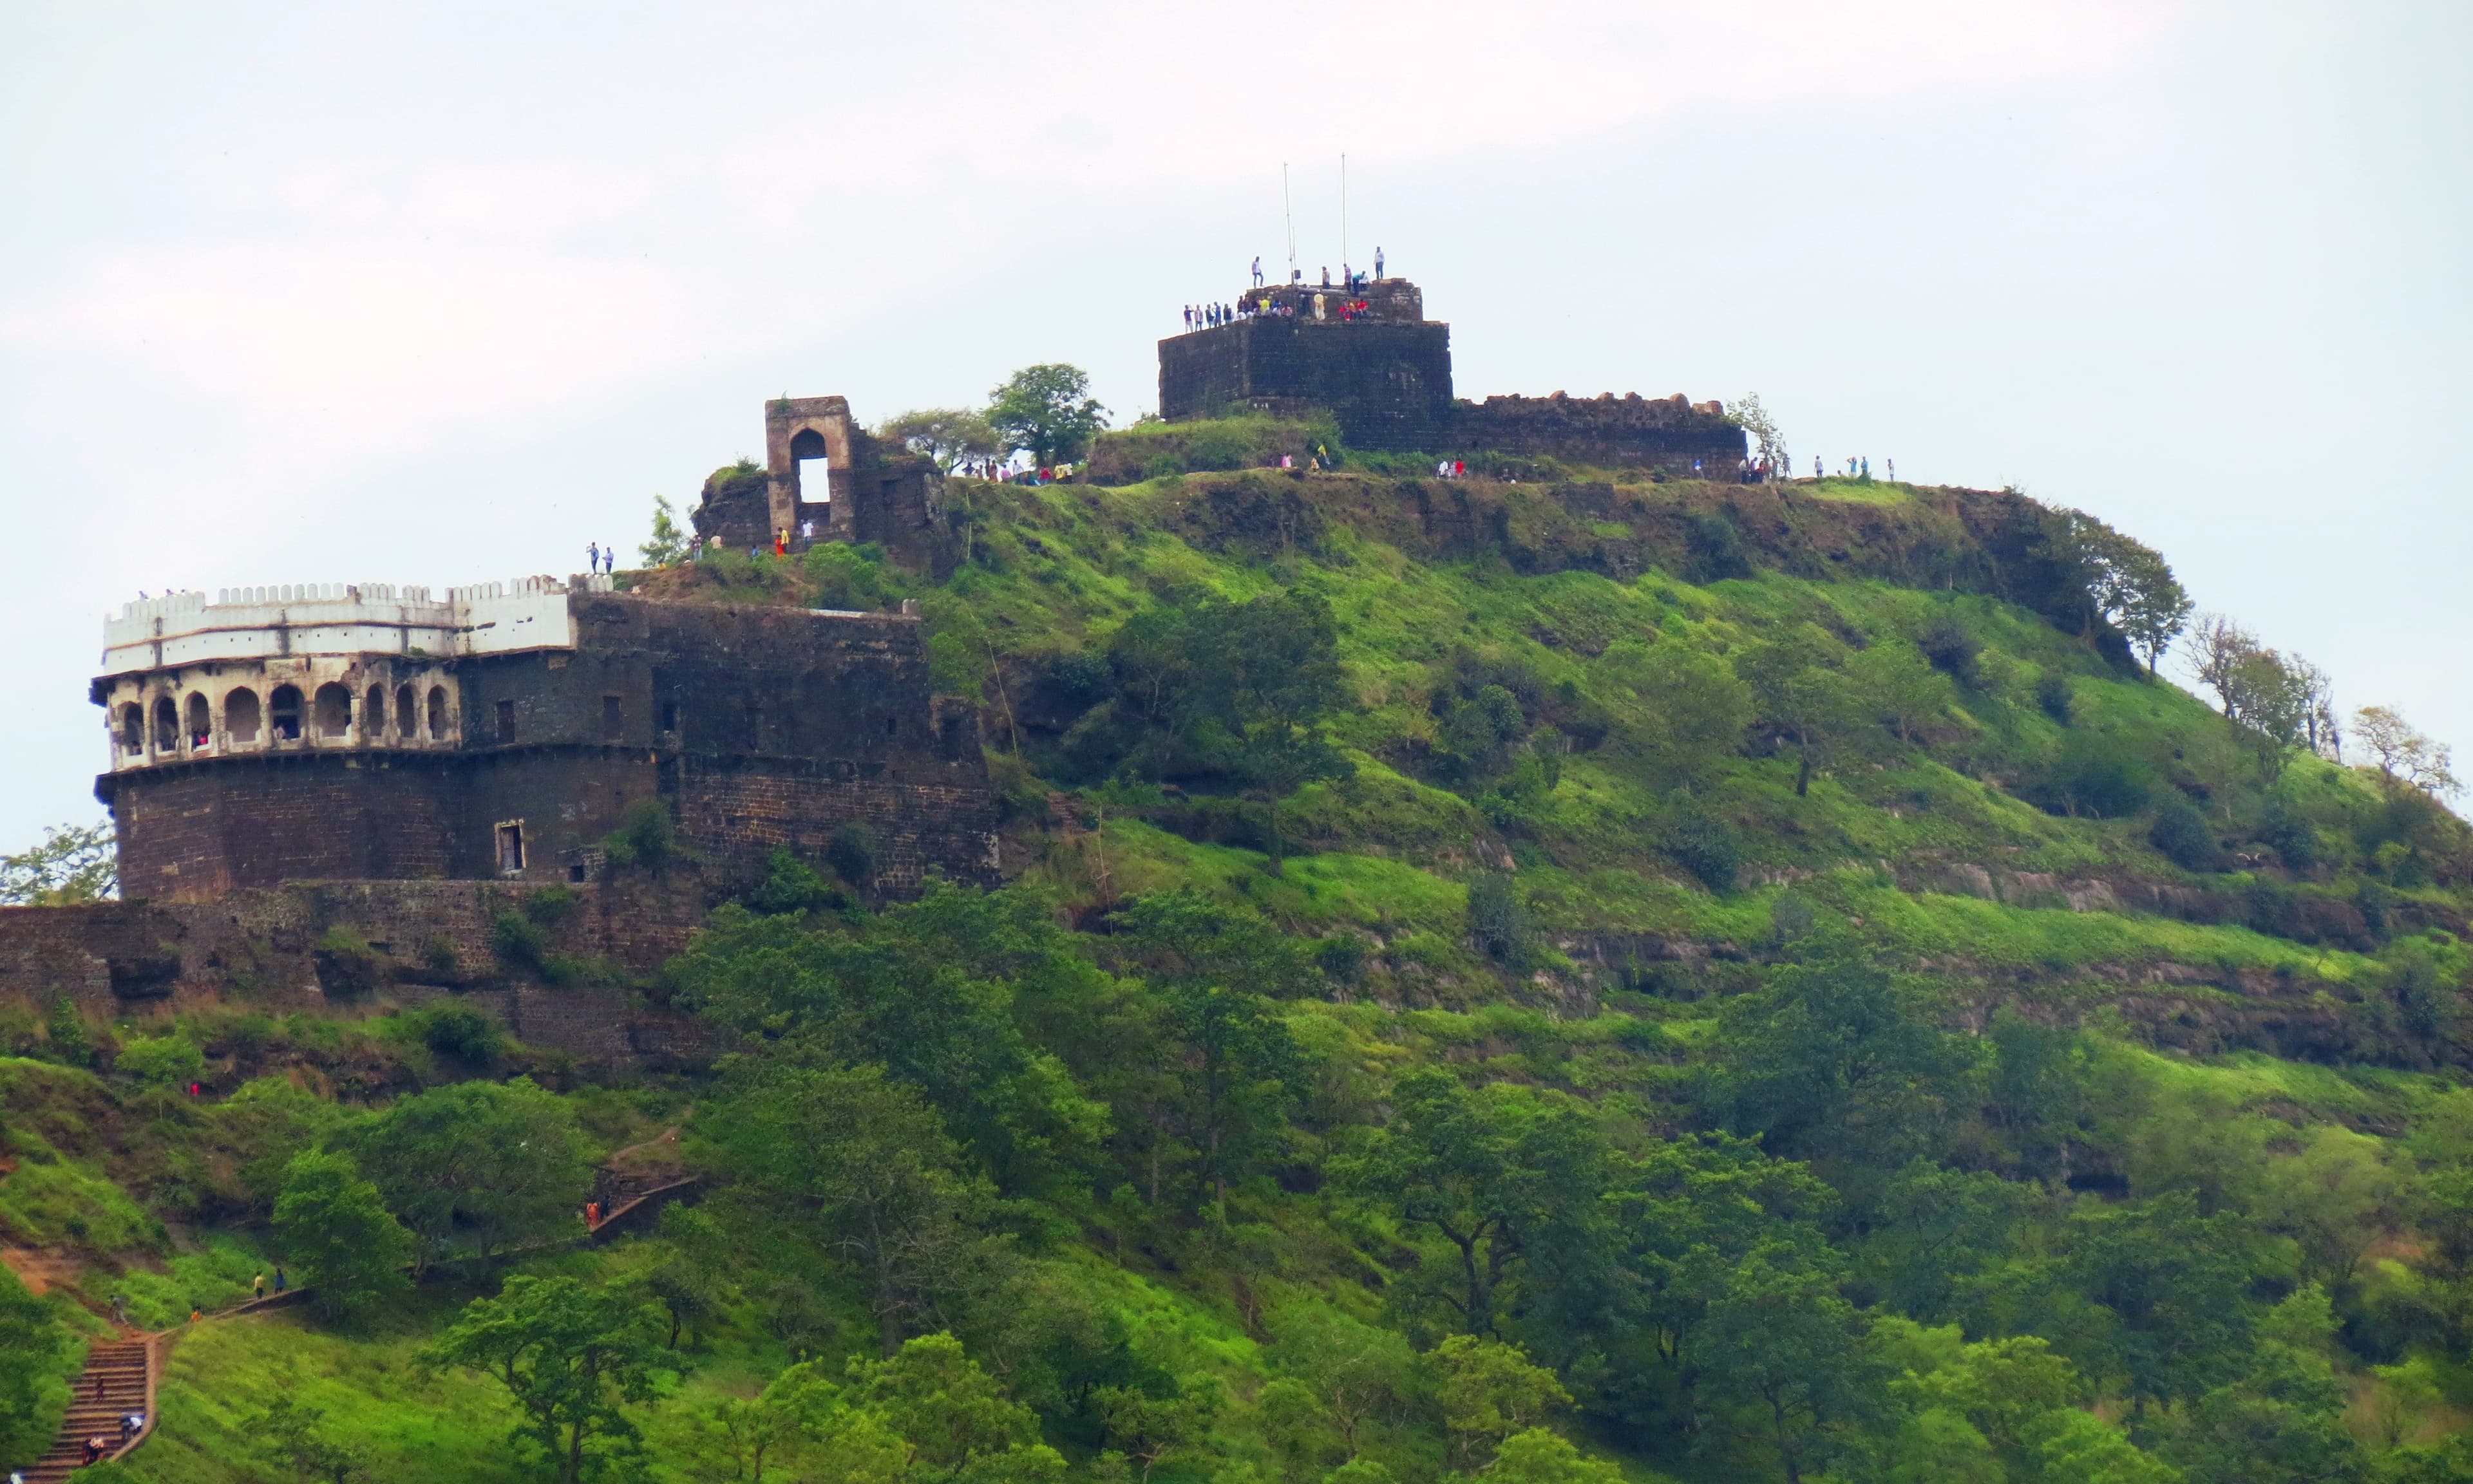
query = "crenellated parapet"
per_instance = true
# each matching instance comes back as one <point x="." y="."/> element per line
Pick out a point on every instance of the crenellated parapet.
<point x="305" y="667"/>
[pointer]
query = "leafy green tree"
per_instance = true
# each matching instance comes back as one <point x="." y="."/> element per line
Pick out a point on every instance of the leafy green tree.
<point x="670" y="544"/>
<point x="1783" y="1360"/>
<point x="2336" y="1196"/>
<point x="337" y="1228"/>
<point x="691" y="1278"/>
<point x="2116" y="582"/>
<point x="1349" y="1373"/>
<point x="1152" y="1428"/>
<point x="294" y="1436"/>
<point x="950" y="435"/>
<point x="2175" y="1286"/>
<point x="1047" y="410"/>
<point x="1801" y="695"/>
<point x="955" y="1420"/>
<point x="869" y="1165"/>
<point x="73" y="863"/>
<point x="1894" y="682"/>
<point x="505" y="1160"/>
<point x="930" y="991"/>
<point x="572" y="1357"/>
<point x="1836" y="1061"/>
<point x="1689" y="709"/>
<point x="35" y="1364"/>
<point x="1933" y="1227"/>
<point x="1542" y="1456"/>
<point x="2080" y="1447"/>
<point x="1497" y="1173"/>
<point x="1488" y="1391"/>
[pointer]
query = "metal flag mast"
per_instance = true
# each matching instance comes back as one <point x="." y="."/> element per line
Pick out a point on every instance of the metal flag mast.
<point x="1343" y="215"/>
<point x="1289" y="211"/>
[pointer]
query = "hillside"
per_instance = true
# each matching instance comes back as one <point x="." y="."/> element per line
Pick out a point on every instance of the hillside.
<point x="1549" y="976"/>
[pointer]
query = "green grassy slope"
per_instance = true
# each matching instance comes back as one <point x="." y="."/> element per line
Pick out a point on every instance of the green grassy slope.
<point x="1599" y="856"/>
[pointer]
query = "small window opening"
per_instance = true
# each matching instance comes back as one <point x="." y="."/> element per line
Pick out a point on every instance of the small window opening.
<point x="893" y="726"/>
<point x="283" y="712"/>
<point x="614" y="719"/>
<point x="436" y="713"/>
<point x="373" y="715"/>
<point x="199" y="722"/>
<point x="669" y="716"/>
<point x="167" y="726"/>
<point x="407" y="715"/>
<point x="575" y="872"/>
<point x="240" y="716"/>
<point x="511" y="848"/>
<point x="334" y="710"/>
<point x="133" y="730"/>
<point x="506" y="721"/>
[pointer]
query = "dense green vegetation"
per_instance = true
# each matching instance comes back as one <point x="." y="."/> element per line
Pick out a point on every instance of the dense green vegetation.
<point x="1578" y="1005"/>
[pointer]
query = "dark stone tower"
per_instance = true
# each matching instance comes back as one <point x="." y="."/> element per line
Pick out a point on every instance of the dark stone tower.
<point x="1370" y="356"/>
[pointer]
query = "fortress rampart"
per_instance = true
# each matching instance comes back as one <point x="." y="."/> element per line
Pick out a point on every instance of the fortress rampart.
<point x="339" y="732"/>
<point x="1370" y="358"/>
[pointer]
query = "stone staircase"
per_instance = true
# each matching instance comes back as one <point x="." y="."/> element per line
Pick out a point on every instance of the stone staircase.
<point x="118" y="1379"/>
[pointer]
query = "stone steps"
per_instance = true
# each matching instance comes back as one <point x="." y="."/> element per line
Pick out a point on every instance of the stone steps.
<point x="115" y="1383"/>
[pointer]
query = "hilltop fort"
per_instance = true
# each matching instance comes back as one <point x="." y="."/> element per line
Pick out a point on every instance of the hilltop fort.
<point x="331" y="785"/>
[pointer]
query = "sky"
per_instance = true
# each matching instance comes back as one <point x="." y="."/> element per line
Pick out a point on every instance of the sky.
<point x="437" y="293"/>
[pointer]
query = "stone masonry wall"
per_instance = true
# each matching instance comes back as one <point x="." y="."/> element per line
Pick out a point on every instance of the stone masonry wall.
<point x="1609" y="431"/>
<point x="426" y="940"/>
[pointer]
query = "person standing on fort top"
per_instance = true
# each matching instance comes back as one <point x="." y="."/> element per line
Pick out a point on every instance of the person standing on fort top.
<point x="1326" y="275"/>
<point x="1258" y="269"/>
<point x="592" y="556"/>
<point x="1377" y="264"/>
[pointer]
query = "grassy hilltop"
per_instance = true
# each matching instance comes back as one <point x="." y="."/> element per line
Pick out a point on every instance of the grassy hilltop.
<point x="1549" y="977"/>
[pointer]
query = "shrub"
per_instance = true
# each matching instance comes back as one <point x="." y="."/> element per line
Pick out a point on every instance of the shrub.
<point x="644" y="837"/>
<point x="2289" y="834"/>
<point x="346" y="963"/>
<point x="1705" y="845"/>
<point x="551" y="906"/>
<point x="851" y="853"/>
<point x="1951" y="646"/>
<point x="1341" y="957"/>
<point x="461" y="1032"/>
<point x="1715" y="550"/>
<point x="64" y="1032"/>
<point x="2052" y="694"/>
<point x="1497" y="920"/>
<point x="792" y="885"/>
<point x="2181" y="835"/>
<point x="2099" y="775"/>
<point x="519" y="943"/>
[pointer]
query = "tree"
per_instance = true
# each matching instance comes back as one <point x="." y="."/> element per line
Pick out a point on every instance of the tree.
<point x="870" y="1165"/>
<point x="1490" y="1171"/>
<point x="949" y="435"/>
<point x="74" y="863"/>
<point x="1895" y="682"/>
<point x="2221" y="645"/>
<point x="505" y="1160"/>
<point x="295" y="1436"/>
<point x="1783" y="1361"/>
<point x="669" y="545"/>
<point x="2176" y="1286"/>
<point x="1745" y="412"/>
<point x="1488" y="1391"/>
<point x="2406" y="757"/>
<point x="34" y="1363"/>
<point x="955" y="1421"/>
<point x="1799" y="691"/>
<point x="1539" y="1456"/>
<point x="336" y="1227"/>
<point x="1690" y="708"/>
<point x="1047" y="410"/>
<point x="1349" y="1370"/>
<point x="571" y="1357"/>
<point x="2117" y="582"/>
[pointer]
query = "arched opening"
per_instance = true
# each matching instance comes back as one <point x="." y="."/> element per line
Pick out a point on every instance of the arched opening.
<point x="201" y="721"/>
<point x="167" y="724"/>
<point x="807" y="461"/>
<point x="133" y="730"/>
<point x="334" y="710"/>
<point x="240" y="716"/>
<point x="283" y="714"/>
<point x="373" y="715"/>
<point x="436" y="713"/>
<point x="407" y="716"/>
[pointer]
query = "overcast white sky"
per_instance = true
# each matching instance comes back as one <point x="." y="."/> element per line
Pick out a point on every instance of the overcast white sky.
<point x="437" y="294"/>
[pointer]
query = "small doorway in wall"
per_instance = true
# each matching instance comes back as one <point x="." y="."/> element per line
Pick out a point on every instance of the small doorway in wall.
<point x="199" y="722"/>
<point x="283" y="714"/>
<point x="511" y="848"/>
